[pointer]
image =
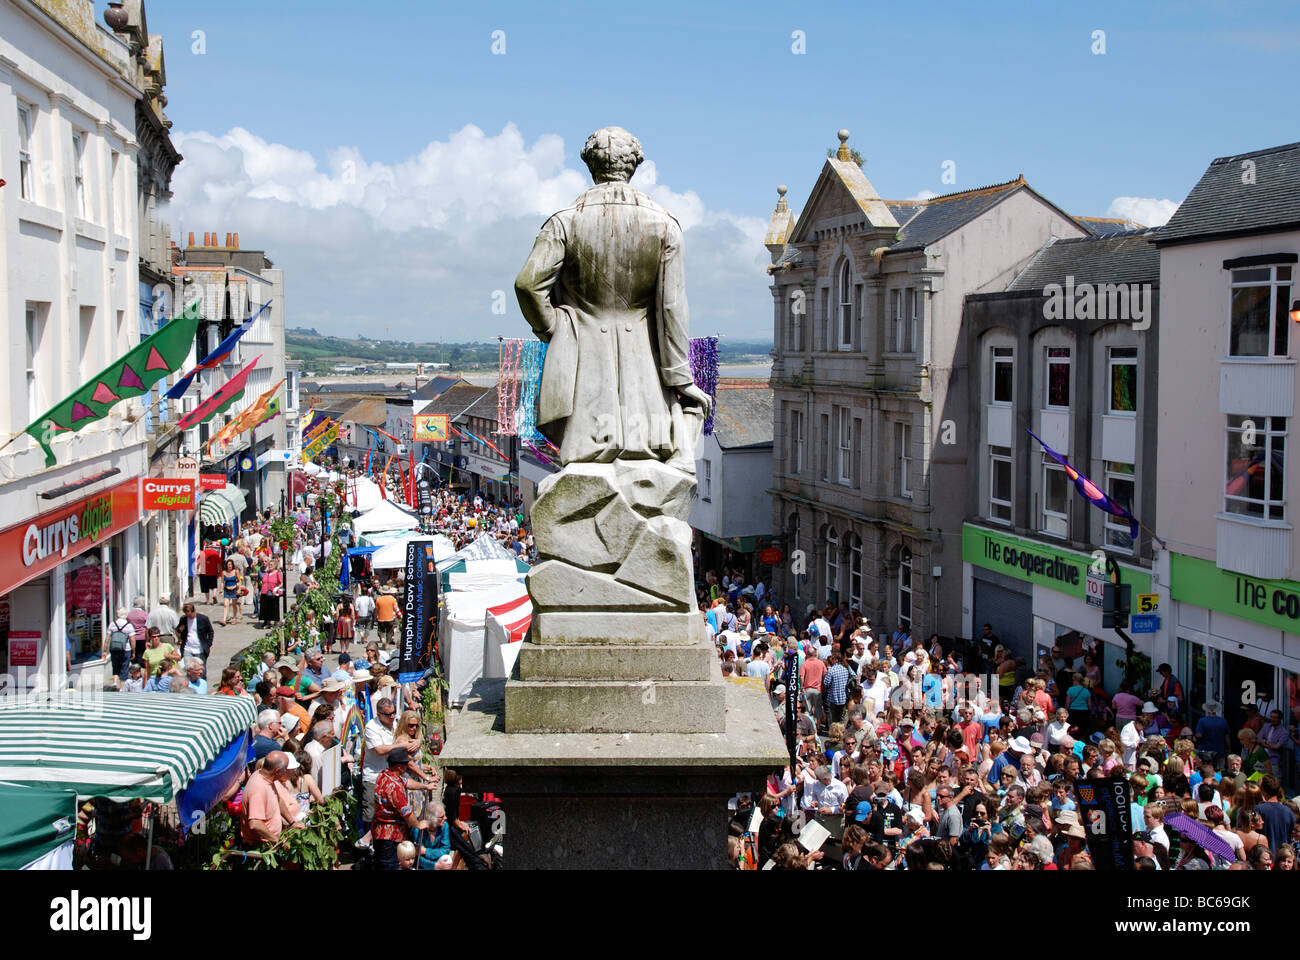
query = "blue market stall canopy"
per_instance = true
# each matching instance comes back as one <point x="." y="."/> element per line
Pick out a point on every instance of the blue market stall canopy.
<point x="126" y="746"/>
<point x="215" y="782"/>
<point x="345" y="572"/>
<point x="37" y="820"/>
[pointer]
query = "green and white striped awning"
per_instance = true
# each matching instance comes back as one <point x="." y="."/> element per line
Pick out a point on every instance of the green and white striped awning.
<point x="215" y="511"/>
<point x="122" y="746"/>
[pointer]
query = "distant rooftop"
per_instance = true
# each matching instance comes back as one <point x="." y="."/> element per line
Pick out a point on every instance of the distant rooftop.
<point x="743" y="413"/>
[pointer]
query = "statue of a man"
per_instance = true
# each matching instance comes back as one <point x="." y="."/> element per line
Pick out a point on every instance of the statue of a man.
<point x="604" y="287"/>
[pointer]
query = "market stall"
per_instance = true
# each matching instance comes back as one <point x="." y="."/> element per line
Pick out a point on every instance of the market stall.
<point x="461" y="635"/>
<point x="39" y="827"/>
<point x="147" y="746"/>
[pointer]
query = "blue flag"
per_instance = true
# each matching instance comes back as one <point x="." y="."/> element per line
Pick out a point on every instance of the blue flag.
<point x="215" y="357"/>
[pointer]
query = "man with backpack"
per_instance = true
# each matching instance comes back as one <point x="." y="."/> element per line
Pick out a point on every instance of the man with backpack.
<point x="121" y="640"/>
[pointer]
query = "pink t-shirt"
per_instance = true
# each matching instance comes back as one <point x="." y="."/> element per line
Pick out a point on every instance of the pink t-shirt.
<point x="812" y="673"/>
<point x="1126" y="706"/>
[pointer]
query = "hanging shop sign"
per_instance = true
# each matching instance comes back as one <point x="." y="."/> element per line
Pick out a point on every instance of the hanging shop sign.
<point x="168" y="493"/>
<point x="31" y="548"/>
<point x="212" y="481"/>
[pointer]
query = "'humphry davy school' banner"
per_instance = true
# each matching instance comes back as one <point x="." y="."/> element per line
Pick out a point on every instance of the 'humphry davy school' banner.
<point x="419" y="608"/>
<point x="1107" y="820"/>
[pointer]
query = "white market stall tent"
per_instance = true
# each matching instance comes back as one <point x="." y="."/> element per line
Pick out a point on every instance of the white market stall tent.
<point x="386" y="516"/>
<point x="484" y="574"/>
<point x="392" y="555"/>
<point x="461" y="632"/>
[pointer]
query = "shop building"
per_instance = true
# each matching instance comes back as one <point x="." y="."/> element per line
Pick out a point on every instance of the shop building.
<point x="1227" y="486"/>
<point x="1068" y="351"/>
<point x="71" y="549"/>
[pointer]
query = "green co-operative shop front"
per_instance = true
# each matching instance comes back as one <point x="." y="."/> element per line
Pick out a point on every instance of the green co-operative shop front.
<point x="1235" y="639"/>
<point x="1035" y="595"/>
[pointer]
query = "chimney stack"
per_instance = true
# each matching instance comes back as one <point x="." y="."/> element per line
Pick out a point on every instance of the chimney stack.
<point x="191" y="243"/>
<point x="236" y="241"/>
<point x="228" y="236"/>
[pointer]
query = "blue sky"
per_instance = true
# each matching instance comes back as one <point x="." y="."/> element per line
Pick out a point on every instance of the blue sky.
<point x="335" y="134"/>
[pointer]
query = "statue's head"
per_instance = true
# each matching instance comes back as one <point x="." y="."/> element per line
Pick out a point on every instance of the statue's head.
<point x="612" y="153"/>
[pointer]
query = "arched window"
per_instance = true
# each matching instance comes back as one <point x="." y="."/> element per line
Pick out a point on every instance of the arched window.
<point x="832" y="564"/>
<point x="845" y="298"/>
<point x="905" y="589"/>
<point x="855" y="571"/>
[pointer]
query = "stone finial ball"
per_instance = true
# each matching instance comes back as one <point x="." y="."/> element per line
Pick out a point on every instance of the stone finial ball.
<point x="843" y="135"/>
<point x="780" y="189"/>
<point x="611" y="153"/>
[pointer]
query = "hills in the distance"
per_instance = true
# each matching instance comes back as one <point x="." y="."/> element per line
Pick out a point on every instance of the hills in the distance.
<point x="312" y="347"/>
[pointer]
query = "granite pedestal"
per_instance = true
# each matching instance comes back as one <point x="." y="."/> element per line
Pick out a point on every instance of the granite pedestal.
<point x="614" y="801"/>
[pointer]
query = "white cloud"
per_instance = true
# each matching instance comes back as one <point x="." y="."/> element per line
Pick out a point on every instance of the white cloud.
<point x="1147" y="211"/>
<point x="924" y="195"/>
<point x="417" y="248"/>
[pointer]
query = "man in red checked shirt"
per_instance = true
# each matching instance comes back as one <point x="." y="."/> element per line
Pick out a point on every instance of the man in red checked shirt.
<point x="394" y="818"/>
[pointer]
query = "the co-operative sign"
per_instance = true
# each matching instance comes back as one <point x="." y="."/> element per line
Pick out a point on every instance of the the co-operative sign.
<point x="168" y="493"/>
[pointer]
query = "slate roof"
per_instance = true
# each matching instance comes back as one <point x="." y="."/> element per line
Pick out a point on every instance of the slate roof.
<point x="435" y="387"/>
<point x="1127" y="258"/>
<point x="485" y="407"/>
<point x="372" y="413"/>
<point x="940" y="216"/>
<point x="1108" y="226"/>
<point x="456" y="400"/>
<point x="1222" y="205"/>
<point x="743" y="413"/>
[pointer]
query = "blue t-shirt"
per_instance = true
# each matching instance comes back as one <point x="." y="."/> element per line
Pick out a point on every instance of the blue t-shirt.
<point x="1214" y="733"/>
<point x="771" y="623"/>
<point x="1079" y="697"/>
<point x="932" y="689"/>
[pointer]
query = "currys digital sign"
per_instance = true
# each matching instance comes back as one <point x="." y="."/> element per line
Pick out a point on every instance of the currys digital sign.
<point x="44" y="542"/>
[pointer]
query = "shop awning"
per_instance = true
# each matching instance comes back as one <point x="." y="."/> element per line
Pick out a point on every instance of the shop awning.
<point x="215" y="511"/>
<point x="38" y="820"/>
<point x="125" y="746"/>
<point x="222" y="506"/>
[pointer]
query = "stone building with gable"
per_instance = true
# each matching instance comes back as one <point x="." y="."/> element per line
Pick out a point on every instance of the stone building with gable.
<point x="869" y="380"/>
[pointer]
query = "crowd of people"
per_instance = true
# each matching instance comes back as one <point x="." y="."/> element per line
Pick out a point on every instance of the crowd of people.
<point x="305" y="709"/>
<point x="926" y="754"/>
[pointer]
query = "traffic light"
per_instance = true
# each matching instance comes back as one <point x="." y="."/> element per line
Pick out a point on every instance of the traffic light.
<point x="1115" y="600"/>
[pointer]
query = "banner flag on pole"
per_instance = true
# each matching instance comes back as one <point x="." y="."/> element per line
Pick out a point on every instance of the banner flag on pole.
<point x="1088" y="490"/>
<point x="213" y="359"/>
<point x="153" y="358"/>
<point x="226" y="394"/>
<point x="247" y="419"/>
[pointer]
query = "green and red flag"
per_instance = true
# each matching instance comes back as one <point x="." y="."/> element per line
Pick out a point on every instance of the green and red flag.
<point x="226" y="394"/>
<point x="153" y="358"/>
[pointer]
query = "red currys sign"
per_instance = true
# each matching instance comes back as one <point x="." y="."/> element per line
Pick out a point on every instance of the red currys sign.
<point x="168" y="493"/>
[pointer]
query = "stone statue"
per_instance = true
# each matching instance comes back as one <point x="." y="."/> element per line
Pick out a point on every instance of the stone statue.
<point x="604" y="287"/>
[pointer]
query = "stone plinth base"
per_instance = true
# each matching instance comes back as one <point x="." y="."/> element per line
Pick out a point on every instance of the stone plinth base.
<point x="613" y="801"/>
